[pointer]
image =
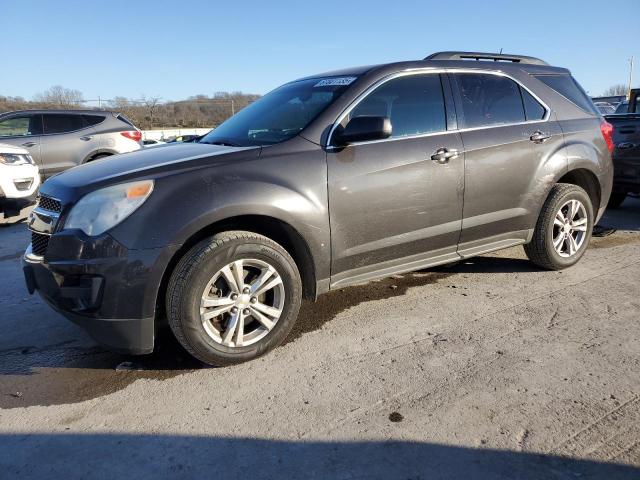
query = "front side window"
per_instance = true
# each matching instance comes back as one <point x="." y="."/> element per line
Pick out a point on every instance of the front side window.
<point x="413" y="103"/>
<point x="489" y="100"/>
<point x="281" y="114"/>
<point x="61" y="123"/>
<point x="20" y="126"/>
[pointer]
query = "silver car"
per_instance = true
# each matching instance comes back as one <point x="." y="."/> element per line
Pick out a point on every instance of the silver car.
<point x="61" y="139"/>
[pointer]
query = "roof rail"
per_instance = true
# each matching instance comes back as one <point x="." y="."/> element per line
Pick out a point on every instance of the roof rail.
<point x="496" y="57"/>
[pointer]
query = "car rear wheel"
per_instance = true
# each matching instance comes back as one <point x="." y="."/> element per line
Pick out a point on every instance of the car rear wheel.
<point x="616" y="199"/>
<point x="233" y="297"/>
<point x="563" y="230"/>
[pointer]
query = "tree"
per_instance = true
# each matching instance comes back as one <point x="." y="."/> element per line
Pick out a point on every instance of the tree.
<point x="151" y="104"/>
<point x="614" y="90"/>
<point x="58" y="95"/>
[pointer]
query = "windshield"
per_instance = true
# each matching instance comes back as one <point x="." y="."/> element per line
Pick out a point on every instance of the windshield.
<point x="281" y="114"/>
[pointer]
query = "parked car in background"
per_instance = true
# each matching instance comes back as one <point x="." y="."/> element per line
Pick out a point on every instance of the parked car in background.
<point x="61" y="139"/>
<point x="605" y="108"/>
<point x="626" y="156"/>
<point x="19" y="179"/>
<point x="328" y="181"/>
<point x="150" y="142"/>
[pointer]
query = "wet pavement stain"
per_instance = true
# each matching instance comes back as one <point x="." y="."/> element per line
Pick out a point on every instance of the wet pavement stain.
<point x="313" y="315"/>
<point x="66" y="373"/>
<point x="615" y="240"/>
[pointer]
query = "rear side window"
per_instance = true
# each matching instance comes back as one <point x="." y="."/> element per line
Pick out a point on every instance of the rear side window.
<point x="91" y="120"/>
<point x="532" y="108"/>
<point x="566" y="86"/>
<point x="489" y="100"/>
<point x="413" y="103"/>
<point x="61" y="123"/>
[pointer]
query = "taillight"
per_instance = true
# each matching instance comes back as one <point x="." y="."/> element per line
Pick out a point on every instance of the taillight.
<point x="134" y="135"/>
<point x="607" y="133"/>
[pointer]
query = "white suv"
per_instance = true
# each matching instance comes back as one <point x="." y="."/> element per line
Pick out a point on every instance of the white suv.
<point x="19" y="178"/>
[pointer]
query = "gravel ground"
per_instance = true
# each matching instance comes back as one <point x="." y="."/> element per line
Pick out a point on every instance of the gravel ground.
<point x="489" y="368"/>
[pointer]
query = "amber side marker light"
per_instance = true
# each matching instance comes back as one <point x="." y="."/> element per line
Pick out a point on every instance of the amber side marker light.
<point x="139" y="190"/>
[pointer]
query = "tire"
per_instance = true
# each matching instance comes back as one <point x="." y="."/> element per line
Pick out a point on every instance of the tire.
<point x="541" y="249"/>
<point x="100" y="155"/>
<point x="203" y="275"/>
<point x="616" y="199"/>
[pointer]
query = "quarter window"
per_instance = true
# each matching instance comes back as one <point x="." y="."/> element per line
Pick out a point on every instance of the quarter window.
<point x="413" y="103"/>
<point x="489" y="100"/>
<point x="60" y="123"/>
<point x="532" y="108"/>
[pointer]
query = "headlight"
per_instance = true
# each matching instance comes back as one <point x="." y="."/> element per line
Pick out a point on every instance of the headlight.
<point x="103" y="209"/>
<point x="15" y="159"/>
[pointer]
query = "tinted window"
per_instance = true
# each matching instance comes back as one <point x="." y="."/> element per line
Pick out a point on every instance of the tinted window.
<point x="566" y="86"/>
<point x="60" y="123"/>
<point x="20" y="126"/>
<point x="414" y="104"/>
<point x="90" y="120"/>
<point x="489" y="100"/>
<point x="532" y="108"/>
<point x="125" y="120"/>
<point x="622" y="107"/>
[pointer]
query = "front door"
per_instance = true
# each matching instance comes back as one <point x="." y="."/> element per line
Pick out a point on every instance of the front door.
<point x="393" y="208"/>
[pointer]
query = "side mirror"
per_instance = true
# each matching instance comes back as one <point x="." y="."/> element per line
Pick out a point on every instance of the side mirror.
<point x="362" y="129"/>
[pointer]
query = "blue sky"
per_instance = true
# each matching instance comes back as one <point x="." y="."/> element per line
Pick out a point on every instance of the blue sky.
<point x="176" y="49"/>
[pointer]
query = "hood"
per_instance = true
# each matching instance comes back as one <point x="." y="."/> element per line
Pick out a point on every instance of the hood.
<point x="145" y="163"/>
<point x="12" y="149"/>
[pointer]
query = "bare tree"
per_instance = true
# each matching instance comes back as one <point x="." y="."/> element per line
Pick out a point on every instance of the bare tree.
<point x="58" y="95"/>
<point x="618" y="89"/>
<point x="151" y="104"/>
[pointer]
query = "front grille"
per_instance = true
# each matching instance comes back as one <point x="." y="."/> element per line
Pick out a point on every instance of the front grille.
<point x="47" y="203"/>
<point x="39" y="243"/>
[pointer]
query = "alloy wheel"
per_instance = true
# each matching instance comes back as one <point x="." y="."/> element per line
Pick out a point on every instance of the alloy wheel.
<point x="570" y="228"/>
<point x="242" y="302"/>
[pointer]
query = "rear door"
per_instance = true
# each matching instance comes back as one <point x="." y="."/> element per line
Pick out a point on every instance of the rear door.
<point x="23" y="130"/>
<point x="505" y="145"/>
<point x="66" y="142"/>
<point x="392" y="207"/>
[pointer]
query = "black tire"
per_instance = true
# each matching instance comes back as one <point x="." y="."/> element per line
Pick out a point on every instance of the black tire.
<point x="100" y="155"/>
<point x="541" y="250"/>
<point x="195" y="270"/>
<point x="616" y="199"/>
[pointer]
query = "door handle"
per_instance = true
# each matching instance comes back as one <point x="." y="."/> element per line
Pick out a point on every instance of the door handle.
<point x="443" y="155"/>
<point x="86" y="138"/>
<point x="29" y="144"/>
<point x="539" y="137"/>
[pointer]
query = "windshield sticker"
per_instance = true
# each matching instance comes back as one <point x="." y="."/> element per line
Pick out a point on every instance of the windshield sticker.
<point x="330" y="82"/>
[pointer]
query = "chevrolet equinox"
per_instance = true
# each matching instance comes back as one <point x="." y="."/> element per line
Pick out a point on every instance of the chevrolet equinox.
<point x="327" y="181"/>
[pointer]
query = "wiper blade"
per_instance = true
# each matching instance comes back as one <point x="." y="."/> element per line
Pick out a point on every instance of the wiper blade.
<point x="224" y="143"/>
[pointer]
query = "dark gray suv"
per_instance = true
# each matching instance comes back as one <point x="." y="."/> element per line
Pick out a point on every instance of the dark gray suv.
<point x="327" y="181"/>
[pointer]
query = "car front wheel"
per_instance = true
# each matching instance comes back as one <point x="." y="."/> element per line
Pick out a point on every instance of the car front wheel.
<point x="233" y="297"/>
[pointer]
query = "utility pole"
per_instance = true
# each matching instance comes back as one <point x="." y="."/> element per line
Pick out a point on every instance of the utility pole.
<point x="630" y="77"/>
<point x="233" y="108"/>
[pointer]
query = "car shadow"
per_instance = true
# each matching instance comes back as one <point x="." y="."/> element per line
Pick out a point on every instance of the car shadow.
<point x="107" y="456"/>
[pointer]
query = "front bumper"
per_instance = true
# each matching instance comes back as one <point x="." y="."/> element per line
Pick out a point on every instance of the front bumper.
<point x="97" y="283"/>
